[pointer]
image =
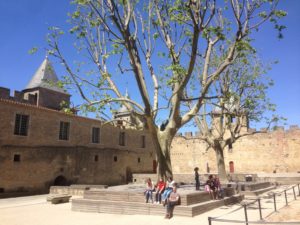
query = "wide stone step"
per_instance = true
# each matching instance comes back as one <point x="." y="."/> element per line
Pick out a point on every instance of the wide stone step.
<point x="119" y="207"/>
<point x="186" y="197"/>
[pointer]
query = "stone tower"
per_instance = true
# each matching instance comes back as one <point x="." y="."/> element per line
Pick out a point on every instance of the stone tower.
<point x="44" y="86"/>
<point x="124" y="117"/>
<point x="219" y="120"/>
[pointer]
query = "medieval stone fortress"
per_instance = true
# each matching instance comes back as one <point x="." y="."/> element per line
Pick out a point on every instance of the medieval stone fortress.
<point x="42" y="146"/>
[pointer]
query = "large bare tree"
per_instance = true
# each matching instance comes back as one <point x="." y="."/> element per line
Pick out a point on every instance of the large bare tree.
<point x="158" y="45"/>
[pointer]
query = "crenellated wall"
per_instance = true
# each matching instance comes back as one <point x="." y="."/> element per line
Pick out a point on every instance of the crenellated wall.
<point x="18" y="96"/>
<point x="274" y="151"/>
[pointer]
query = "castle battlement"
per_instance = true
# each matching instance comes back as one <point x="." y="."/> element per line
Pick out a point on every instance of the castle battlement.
<point x="18" y="96"/>
<point x="190" y="134"/>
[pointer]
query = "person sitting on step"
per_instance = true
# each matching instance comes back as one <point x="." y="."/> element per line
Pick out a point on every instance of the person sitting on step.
<point x="149" y="190"/>
<point x="168" y="190"/>
<point x="160" y="187"/>
<point x="172" y="200"/>
<point x="211" y="187"/>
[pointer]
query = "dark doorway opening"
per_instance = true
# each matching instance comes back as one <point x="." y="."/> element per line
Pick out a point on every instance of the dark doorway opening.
<point x="60" y="181"/>
<point x="128" y="175"/>
<point x="154" y="166"/>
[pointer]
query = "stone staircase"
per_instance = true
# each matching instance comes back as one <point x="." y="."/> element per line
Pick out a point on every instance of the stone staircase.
<point x="116" y="200"/>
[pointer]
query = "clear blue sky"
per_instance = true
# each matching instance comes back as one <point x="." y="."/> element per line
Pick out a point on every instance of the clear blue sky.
<point x="24" y="24"/>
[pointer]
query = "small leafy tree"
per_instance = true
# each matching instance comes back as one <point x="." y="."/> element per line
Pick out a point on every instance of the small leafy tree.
<point x="240" y="97"/>
<point x="156" y="45"/>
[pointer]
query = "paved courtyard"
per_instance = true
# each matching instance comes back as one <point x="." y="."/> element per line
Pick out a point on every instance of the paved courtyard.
<point x="34" y="210"/>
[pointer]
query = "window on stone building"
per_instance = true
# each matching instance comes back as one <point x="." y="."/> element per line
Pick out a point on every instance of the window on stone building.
<point x="21" y="124"/>
<point x="122" y="138"/>
<point x="96" y="158"/>
<point x="139" y="159"/>
<point x="143" y="141"/>
<point x="64" y="130"/>
<point x="17" y="158"/>
<point x="96" y="135"/>
<point x="115" y="158"/>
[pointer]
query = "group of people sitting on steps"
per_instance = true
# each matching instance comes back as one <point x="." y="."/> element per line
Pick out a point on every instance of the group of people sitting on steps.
<point x="165" y="193"/>
<point x="213" y="186"/>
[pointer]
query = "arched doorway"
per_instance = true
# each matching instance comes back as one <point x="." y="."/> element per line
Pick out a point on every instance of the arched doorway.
<point x="231" y="167"/>
<point x="60" y="181"/>
<point x="154" y="166"/>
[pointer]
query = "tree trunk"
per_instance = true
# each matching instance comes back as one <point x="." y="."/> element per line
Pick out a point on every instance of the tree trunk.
<point x="162" y="142"/>
<point x="220" y="163"/>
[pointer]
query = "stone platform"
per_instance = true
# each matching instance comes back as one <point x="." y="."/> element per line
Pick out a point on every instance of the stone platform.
<point x="74" y="189"/>
<point x="129" y="199"/>
<point x="251" y="188"/>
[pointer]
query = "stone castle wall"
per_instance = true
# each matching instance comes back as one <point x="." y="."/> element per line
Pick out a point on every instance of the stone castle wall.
<point x="18" y="96"/>
<point x="37" y="96"/>
<point x="43" y="157"/>
<point x="278" y="151"/>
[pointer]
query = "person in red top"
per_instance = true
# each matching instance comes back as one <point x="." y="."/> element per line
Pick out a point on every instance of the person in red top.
<point x="161" y="185"/>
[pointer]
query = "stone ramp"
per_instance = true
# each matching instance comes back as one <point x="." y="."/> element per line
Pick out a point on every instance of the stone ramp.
<point x="133" y="202"/>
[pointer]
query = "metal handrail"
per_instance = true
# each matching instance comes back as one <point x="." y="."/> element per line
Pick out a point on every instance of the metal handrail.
<point x="247" y="222"/>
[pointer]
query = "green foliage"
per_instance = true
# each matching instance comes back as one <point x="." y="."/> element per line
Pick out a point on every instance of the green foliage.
<point x="244" y="47"/>
<point x="33" y="50"/>
<point x="80" y="2"/>
<point x="214" y="31"/>
<point x="76" y="15"/>
<point x="276" y="15"/>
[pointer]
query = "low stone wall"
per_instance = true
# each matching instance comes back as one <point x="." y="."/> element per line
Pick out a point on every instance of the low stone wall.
<point x="280" y="178"/>
<point x="77" y="189"/>
<point x="180" y="178"/>
<point x="275" y="178"/>
<point x="190" y="177"/>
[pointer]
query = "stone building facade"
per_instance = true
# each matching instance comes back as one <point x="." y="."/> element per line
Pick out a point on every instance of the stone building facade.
<point x="276" y="151"/>
<point x="41" y="146"/>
